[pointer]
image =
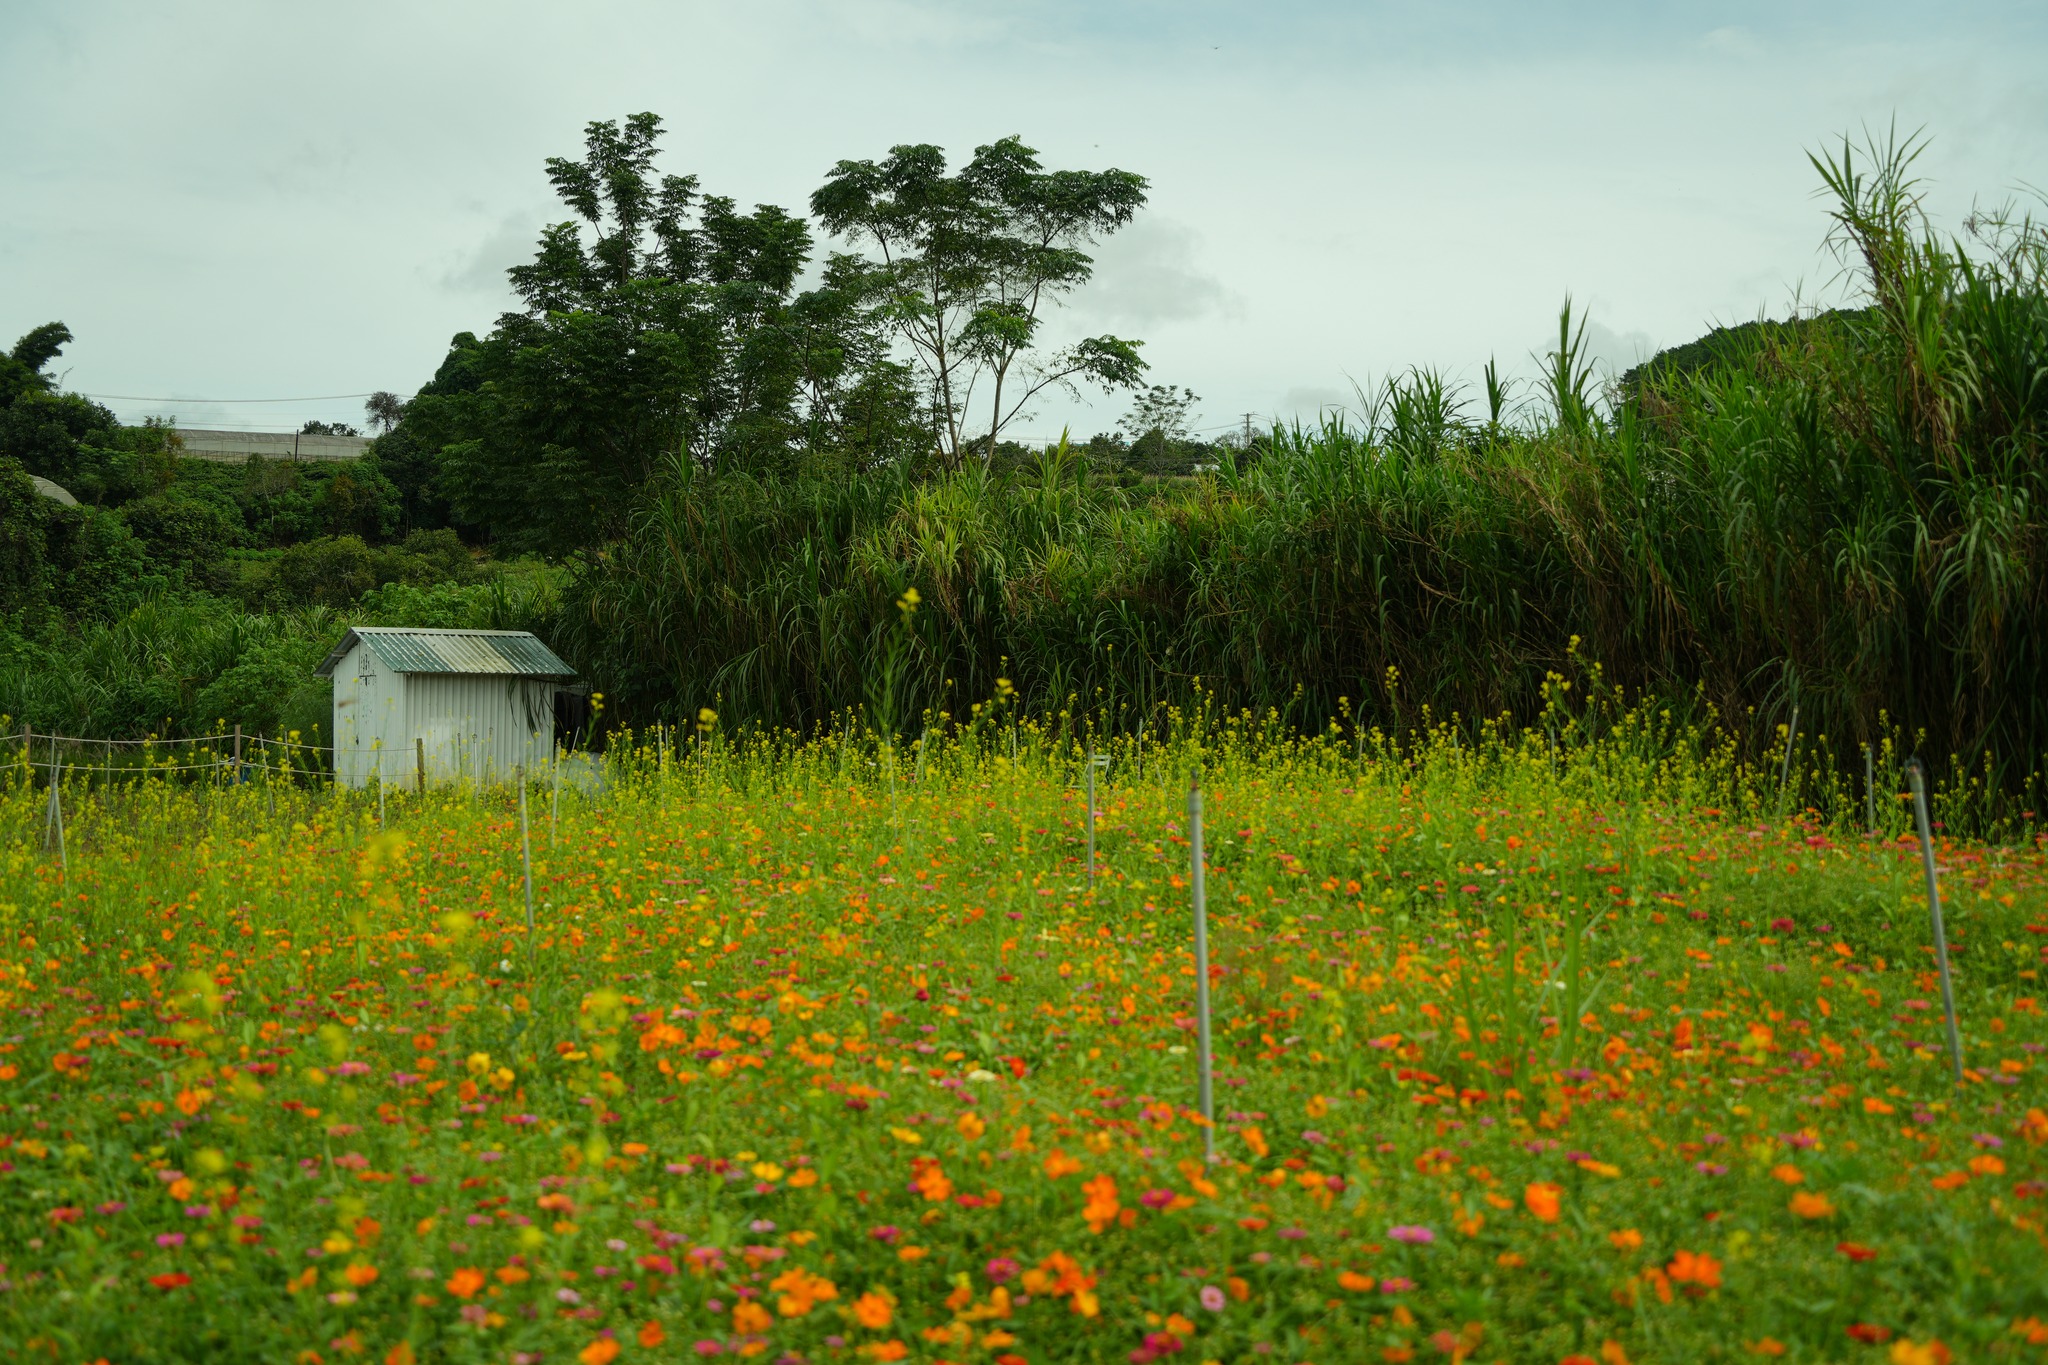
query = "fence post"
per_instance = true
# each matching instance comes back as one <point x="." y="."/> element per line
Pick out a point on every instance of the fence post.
<point x="1948" y="998"/>
<point x="238" y="753"/>
<point x="1202" y="1061"/>
<point x="1869" y="792"/>
<point x="419" y="764"/>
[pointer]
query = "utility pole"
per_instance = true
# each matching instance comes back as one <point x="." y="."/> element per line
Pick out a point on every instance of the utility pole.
<point x="1247" y="431"/>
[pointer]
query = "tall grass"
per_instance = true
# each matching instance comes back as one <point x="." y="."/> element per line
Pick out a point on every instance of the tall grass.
<point x="1842" y="517"/>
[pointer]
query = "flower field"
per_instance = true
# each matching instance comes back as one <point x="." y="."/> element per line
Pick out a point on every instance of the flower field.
<point x="826" y="1053"/>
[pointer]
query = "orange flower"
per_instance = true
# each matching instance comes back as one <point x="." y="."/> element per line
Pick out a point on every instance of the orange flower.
<point x="603" y="1351"/>
<point x="1102" y="1206"/>
<point x="651" y="1334"/>
<point x="1920" y="1353"/>
<point x="885" y="1350"/>
<point x="1628" y="1239"/>
<point x="190" y="1102"/>
<point x="1812" y="1205"/>
<point x="750" y="1319"/>
<point x="465" y="1282"/>
<point x="1873" y="1105"/>
<point x="401" y="1354"/>
<point x="1952" y="1181"/>
<point x="1769" y="1346"/>
<point x="1544" y="1199"/>
<point x="1058" y="1163"/>
<point x="1788" y="1173"/>
<point x="931" y="1181"/>
<point x="801" y="1291"/>
<point x="360" y="1276"/>
<point x="1690" y="1268"/>
<point x="1987" y="1164"/>
<point x="1356" y="1283"/>
<point x="873" y="1311"/>
<point x="512" y="1274"/>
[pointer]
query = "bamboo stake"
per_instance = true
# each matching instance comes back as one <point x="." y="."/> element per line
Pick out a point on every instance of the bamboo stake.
<point x="1948" y="998"/>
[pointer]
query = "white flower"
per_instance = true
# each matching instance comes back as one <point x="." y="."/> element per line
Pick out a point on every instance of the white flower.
<point x="978" y="1074"/>
<point x="504" y="964"/>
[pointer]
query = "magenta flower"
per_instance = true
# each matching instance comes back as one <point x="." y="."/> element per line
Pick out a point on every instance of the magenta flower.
<point x="170" y="1239"/>
<point x="1212" y="1298"/>
<point x="1412" y="1232"/>
<point x="1001" y="1270"/>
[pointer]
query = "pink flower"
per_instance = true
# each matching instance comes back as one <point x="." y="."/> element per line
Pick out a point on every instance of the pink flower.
<point x="1001" y="1270"/>
<point x="1212" y="1298"/>
<point x="1411" y="1232"/>
<point x="1156" y="1199"/>
<point x="170" y="1239"/>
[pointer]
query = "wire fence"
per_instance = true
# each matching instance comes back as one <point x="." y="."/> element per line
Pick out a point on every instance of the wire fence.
<point x="228" y="753"/>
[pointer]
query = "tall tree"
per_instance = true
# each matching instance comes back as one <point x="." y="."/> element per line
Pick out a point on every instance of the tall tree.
<point x="970" y="263"/>
<point x="655" y="327"/>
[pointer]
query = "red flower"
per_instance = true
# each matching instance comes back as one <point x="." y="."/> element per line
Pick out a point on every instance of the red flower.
<point x="176" y="1279"/>
<point x="1856" y="1251"/>
<point x="1869" y="1333"/>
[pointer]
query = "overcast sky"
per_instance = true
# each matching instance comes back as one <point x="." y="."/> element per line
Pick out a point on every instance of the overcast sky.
<point x="265" y="201"/>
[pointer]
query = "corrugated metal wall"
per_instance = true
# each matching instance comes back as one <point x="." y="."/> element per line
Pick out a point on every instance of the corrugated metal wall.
<point x="475" y="728"/>
<point x="479" y="729"/>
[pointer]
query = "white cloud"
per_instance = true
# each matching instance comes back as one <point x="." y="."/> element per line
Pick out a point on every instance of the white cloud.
<point x="1149" y="274"/>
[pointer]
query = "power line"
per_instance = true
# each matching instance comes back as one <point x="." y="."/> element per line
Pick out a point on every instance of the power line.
<point x="317" y="398"/>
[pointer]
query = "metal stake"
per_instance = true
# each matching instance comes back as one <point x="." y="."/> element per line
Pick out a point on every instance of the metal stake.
<point x="526" y="858"/>
<point x="1785" y="770"/>
<point x="1869" y="792"/>
<point x="1202" y="1060"/>
<point x="1948" y="997"/>
<point x="56" y="818"/>
<point x="1089" y="822"/>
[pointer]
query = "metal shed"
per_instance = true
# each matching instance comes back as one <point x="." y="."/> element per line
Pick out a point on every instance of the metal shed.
<point x="442" y="705"/>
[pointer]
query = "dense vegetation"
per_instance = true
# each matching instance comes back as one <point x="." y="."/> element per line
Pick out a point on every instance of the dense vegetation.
<point x="737" y="483"/>
<point x="838" y="1053"/>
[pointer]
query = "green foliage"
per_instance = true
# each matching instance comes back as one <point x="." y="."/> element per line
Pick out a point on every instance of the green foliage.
<point x="183" y="532"/>
<point x="24" y="555"/>
<point x="969" y="265"/>
<point x="660" y="326"/>
<point x="1845" y="519"/>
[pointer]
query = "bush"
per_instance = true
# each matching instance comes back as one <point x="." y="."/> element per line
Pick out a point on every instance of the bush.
<point x="183" y="534"/>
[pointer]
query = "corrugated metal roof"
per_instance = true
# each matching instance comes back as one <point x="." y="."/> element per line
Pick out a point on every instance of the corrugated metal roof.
<point x="487" y="653"/>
